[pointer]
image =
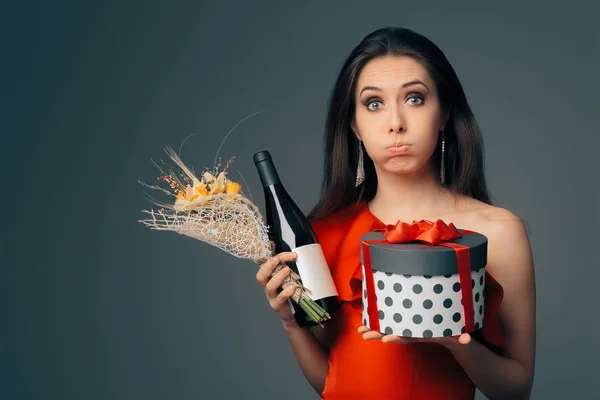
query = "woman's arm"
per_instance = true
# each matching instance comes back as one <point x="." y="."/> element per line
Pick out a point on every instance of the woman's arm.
<point x="510" y="262"/>
<point x="310" y="354"/>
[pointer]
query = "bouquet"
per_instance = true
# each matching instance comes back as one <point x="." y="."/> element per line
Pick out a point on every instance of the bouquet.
<point x="214" y="209"/>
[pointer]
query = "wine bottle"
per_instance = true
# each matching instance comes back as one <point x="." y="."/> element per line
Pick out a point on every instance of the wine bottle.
<point x="291" y="231"/>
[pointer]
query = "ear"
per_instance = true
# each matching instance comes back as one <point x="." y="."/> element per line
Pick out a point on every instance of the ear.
<point x="445" y="118"/>
<point x="354" y="128"/>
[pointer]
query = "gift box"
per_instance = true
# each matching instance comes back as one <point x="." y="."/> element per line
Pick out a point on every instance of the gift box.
<point x="424" y="279"/>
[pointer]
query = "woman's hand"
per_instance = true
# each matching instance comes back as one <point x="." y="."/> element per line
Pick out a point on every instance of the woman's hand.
<point x="445" y="341"/>
<point x="272" y="282"/>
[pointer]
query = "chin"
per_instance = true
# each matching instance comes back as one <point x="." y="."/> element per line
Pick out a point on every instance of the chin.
<point x="402" y="167"/>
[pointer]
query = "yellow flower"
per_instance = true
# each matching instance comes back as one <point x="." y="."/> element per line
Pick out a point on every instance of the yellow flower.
<point x="217" y="186"/>
<point x="233" y="187"/>
<point x="208" y="177"/>
<point x="180" y="195"/>
<point x="202" y="190"/>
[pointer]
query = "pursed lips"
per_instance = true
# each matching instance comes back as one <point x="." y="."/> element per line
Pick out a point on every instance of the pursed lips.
<point x="399" y="148"/>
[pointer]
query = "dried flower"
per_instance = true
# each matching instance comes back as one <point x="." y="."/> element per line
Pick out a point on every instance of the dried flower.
<point x="229" y="162"/>
<point x="233" y="187"/>
<point x="168" y="179"/>
<point x="202" y="190"/>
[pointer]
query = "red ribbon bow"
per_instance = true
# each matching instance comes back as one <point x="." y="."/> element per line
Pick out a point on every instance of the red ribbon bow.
<point x="426" y="231"/>
<point x="432" y="233"/>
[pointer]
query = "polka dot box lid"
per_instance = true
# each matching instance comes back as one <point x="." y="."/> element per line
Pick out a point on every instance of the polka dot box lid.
<point x="415" y="258"/>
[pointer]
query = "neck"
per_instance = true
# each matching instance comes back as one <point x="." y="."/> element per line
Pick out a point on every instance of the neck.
<point x="410" y="197"/>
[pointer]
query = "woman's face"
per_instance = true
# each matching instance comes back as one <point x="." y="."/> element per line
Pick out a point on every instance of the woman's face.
<point x="398" y="114"/>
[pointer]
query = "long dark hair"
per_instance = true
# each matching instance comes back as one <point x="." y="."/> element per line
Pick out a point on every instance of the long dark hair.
<point x="463" y="141"/>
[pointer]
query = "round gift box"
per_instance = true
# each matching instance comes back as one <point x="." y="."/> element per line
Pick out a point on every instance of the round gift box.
<point x="417" y="286"/>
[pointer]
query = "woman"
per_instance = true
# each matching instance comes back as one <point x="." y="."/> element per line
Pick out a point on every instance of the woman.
<point x="402" y="144"/>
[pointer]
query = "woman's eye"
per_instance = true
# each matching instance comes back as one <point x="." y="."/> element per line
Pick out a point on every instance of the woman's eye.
<point x="369" y="104"/>
<point x="419" y="98"/>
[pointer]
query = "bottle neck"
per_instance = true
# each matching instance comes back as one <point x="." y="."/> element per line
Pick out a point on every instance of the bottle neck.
<point x="267" y="172"/>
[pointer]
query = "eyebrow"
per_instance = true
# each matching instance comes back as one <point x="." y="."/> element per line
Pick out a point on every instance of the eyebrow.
<point x="407" y="84"/>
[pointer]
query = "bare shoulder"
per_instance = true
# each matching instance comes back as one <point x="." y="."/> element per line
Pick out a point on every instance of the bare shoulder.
<point x="503" y="228"/>
<point x="508" y="241"/>
<point x="498" y="214"/>
<point x="502" y="225"/>
<point x="500" y="221"/>
<point x="486" y="218"/>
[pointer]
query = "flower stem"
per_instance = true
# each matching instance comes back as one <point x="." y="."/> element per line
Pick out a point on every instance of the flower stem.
<point x="310" y="312"/>
<point x="314" y="311"/>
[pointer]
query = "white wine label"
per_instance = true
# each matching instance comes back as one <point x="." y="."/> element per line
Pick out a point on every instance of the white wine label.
<point x="314" y="271"/>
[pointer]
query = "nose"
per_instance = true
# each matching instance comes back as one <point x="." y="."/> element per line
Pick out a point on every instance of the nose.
<point x="397" y="121"/>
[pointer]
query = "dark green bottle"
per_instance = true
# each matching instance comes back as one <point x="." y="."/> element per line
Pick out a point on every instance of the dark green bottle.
<point x="291" y="231"/>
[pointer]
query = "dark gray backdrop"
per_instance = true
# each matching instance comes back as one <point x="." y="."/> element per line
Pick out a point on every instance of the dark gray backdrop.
<point x="96" y="306"/>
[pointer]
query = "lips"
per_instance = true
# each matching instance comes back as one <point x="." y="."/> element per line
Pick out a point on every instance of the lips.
<point x="399" y="148"/>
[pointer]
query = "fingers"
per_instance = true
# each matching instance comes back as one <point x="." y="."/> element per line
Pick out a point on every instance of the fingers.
<point x="465" y="338"/>
<point x="398" y="340"/>
<point x="372" y="335"/>
<point x="284" y="295"/>
<point x="368" y="334"/>
<point x="265" y="270"/>
<point x="287" y="256"/>
<point x="276" y="281"/>
<point x="363" y="329"/>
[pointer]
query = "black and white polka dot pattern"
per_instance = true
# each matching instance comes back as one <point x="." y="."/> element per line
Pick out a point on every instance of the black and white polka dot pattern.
<point x="423" y="306"/>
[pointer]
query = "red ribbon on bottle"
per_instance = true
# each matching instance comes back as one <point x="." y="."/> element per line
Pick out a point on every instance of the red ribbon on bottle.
<point x="435" y="234"/>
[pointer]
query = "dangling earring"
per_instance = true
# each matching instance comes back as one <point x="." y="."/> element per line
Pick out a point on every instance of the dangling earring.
<point x="443" y="167"/>
<point x="360" y="171"/>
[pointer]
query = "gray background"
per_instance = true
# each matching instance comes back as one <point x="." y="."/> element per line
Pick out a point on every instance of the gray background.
<point x="96" y="306"/>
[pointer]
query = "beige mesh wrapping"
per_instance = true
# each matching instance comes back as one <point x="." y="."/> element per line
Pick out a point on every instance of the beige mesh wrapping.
<point x="229" y="222"/>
